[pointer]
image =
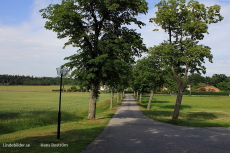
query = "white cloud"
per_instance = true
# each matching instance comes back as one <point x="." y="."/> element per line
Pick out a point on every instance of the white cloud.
<point x="220" y="65"/>
<point x="30" y="49"/>
<point x="218" y="39"/>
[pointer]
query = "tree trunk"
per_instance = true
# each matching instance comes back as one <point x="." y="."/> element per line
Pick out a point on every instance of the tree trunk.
<point x="111" y="101"/>
<point x="150" y="98"/>
<point x="178" y="101"/>
<point x="134" y="93"/>
<point x="137" y="95"/>
<point x="140" y="98"/>
<point x="118" y="96"/>
<point x="92" y="103"/>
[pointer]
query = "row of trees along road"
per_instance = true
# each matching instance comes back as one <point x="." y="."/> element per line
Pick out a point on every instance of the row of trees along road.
<point x="185" y="25"/>
<point x="181" y="54"/>
<point x="147" y="74"/>
<point x="106" y="47"/>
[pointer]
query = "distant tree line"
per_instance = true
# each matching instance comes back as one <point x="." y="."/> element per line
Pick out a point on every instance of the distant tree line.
<point x="31" y="80"/>
<point x="221" y="81"/>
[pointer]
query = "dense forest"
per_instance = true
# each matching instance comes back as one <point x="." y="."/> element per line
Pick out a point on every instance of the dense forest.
<point x="30" y="80"/>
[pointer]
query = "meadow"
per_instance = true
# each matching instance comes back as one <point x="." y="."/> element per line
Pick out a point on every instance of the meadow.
<point x="24" y="110"/>
<point x="30" y="117"/>
<point x="195" y="111"/>
<point x="31" y="88"/>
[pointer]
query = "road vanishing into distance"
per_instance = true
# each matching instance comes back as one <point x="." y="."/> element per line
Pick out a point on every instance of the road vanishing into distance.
<point x="129" y="131"/>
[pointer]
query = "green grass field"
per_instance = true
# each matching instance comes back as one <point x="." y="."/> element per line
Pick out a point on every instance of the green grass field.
<point x="31" y="118"/>
<point x="24" y="110"/>
<point x="195" y="111"/>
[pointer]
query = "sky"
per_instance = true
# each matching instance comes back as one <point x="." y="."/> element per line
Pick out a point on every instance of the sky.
<point x="27" y="48"/>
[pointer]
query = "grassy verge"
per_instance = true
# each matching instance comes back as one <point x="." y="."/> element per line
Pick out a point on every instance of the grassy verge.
<point x="194" y="112"/>
<point x="75" y="135"/>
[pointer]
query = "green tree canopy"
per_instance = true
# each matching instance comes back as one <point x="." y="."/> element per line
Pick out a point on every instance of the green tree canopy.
<point x="148" y="74"/>
<point x="195" y="78"/>
<point x="98" y="29"/>
<point x="186" y="24"/>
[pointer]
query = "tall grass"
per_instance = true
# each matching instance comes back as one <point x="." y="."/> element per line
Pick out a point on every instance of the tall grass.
<point x="24" y="110"/>
<point x="195" y="111"/>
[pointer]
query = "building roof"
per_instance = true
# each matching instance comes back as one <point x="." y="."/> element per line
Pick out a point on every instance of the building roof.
<point x="208" y="88"/>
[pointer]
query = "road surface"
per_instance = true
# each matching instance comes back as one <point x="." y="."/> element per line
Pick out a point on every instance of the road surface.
<point x="129" y="131"/>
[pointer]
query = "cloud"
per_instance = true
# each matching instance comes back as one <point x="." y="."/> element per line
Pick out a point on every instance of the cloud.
<point x="219" y="66"/>
<point x="31" y="48"/>
<point x="218" y="39"/>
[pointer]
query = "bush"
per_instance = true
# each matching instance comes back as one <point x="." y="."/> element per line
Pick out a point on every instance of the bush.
<point x="73" y="89"/>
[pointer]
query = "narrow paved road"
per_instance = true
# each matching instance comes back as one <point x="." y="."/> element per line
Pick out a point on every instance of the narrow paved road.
<point x="129" y="131"/>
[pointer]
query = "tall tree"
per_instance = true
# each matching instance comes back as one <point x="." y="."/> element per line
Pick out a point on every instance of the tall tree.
<point x="138" y="82"/>
<point x="149" y="74"/>
<point x="194" y="79"/>
<point x="94" y="27"/>
<point x="225" y="86"/>
<point x="119" y="74"/>
<point x="185" y="25"/>
<point x="217" y="78"/>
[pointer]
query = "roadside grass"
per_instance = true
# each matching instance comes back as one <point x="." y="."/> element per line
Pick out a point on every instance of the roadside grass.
<point x="195" y="111"/>
<point x="25" y="110"/>
<point x="77" y="135"/>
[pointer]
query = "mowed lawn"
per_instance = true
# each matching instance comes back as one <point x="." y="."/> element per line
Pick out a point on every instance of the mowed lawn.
<point x="25" y="110"/>
<point x="195" y="111"/>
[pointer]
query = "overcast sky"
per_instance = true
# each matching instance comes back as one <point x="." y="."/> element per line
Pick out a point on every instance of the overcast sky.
<point x="27" y="48"/>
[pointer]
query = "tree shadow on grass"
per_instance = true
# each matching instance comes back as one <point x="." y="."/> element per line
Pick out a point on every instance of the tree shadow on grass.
<point x="9" y="115"/>
<point x="164" y="106"/>
<point x="71" y="140"/>
<point x="172" y="107"/>
<point x="160" y="102"/>
<point x="20" y="121"/>
<point x="157" y="113"/>
<point x="202" y="115"/>
<point x="145" y="101"/>
<point x="193" y="119"/>
<point x="106" y="116"/>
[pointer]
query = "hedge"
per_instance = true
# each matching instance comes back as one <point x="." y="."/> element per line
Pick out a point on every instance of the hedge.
<point x="200" y="93"/>
<point x="208" y="93"/>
